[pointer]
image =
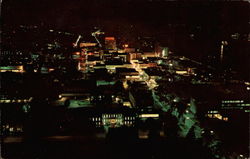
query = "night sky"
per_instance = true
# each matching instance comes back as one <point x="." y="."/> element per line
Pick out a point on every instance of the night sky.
<point x="79" y="14"/>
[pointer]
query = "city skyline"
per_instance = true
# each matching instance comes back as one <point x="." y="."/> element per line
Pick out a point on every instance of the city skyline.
<point x="125" y="79"/>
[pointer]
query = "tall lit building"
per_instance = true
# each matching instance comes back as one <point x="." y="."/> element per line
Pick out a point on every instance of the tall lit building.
<point x="165" y="52"/>
<point x="110" y="43"/>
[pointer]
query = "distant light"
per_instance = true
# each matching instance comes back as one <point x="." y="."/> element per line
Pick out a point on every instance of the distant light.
<point x="51" y="30"/>
<point x="30" y="99"/>
<point x="248" y="88"/>
<point x="125" y="45"/>
<point x="241" y="155"/>
<point x="225" y="118"/>
<point x="127" y="104"/>
<point x="19" y="129"/>
<point x="224" y="43"/>
<point x="51" y="69"/>
<point x="149" y="115"/>
<point x="60" y="96"/>
<point x="213" y="111"/>
<point x="181" y="72"/>
<point x="211" y="131"/>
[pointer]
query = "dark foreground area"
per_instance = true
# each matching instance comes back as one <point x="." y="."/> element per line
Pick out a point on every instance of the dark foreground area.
<point x="113" y="148"/>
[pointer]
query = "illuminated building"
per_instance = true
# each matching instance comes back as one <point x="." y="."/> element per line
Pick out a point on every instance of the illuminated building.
<point x="126" y="72"/>
<point x="12" y="69"/>
<point x="110" y="43"/>
<point x="121" y="118"/>
<point x="236" y="105"/>
<point x="149" y="116"/>
<point x="135" y="56"/>
<point x="87" y="44"/>
<point x="165" y="52"/>
<point x="116" y="119"/>
<point x="216" y="115"/>
<point x="124" y="56"/>
<point x="15" y="100"/>
<point x="181" y="72"/>
<point x="162" y="51"/>
<point x="146" y="55"/>
<point x="129" y="50"/>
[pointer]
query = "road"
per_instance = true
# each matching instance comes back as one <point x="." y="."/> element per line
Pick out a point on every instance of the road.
<point x="151" y="83"/>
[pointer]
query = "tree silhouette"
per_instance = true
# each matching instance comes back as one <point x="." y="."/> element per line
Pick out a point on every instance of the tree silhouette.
<point x="187" y="125"/>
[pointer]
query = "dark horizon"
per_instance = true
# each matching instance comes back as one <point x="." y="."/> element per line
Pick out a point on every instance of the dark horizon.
<point x="229" y="15"/>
